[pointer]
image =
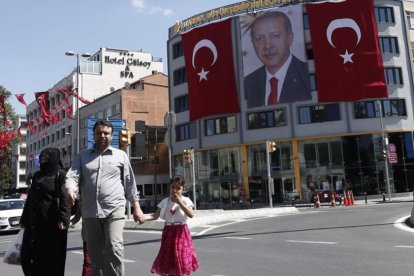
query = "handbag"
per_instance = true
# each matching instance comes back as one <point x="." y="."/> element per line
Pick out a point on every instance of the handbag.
<point x="12" y="255"/>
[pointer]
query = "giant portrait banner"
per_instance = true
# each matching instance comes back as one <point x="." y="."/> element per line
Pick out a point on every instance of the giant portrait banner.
<point x="274" y="56"/>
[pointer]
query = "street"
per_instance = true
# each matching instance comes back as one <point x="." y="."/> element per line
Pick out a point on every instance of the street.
<point x="359" y="240"/>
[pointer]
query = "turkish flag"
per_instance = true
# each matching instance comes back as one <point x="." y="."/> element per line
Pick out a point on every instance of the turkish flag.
<point x="20" y="98"/>
<point x="346" y="50"/>
<point x="210" y="71"/>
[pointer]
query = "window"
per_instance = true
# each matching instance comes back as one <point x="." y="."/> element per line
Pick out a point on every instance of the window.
<point x="412" y="48"/>
<point x="220" y="125"/>
<point x="410" y="19"/>
<point x="319" y="113"/>
<point x="384" y="14"/>
<point x="185" y="131"/>
<point x="393" y="76"/>
<point x="177" y="50"/>
<point x="389" y="45"/>
<point x="265" y="119"/>
<point x="312" y="82"/>
<point x="181" y="104"/>
<point x="370" y="109"/>
<point x="394" y="107"/>
<point x="179" y="76"/>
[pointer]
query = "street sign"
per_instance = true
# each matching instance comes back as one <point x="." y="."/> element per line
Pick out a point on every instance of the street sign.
<point x="392" y="148"/>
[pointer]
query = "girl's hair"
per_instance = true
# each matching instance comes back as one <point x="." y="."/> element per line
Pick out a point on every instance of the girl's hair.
<point x="179" y="180"/>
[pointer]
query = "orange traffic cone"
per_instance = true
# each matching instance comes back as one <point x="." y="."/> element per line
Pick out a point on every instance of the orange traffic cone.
<point x="346" y="200"/>
<point x="352" y="198"/>
<point x="317" y="202"/>
<point x="333" y="202"/>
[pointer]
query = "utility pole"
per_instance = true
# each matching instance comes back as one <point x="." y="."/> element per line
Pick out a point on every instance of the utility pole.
<point x="385" y="148"/>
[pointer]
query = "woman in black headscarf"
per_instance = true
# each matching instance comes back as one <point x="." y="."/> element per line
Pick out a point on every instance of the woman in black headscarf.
<point x="45" y="219"/>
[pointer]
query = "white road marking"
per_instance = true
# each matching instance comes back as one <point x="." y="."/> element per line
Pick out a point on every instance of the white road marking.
<point x="313" y="242"/>
<point x="6" y="241"/>
<point x="405" y="246"/>
<point x="237" y="238"/>
<point x="77" y="252"/>
<point x="399" y="223"/>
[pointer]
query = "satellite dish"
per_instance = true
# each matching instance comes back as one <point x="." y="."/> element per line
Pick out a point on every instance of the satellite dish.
<point x="112" y="89"/>
<point x="127" y="85"/>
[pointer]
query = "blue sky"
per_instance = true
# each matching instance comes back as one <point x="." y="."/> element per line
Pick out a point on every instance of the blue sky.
<point x="36" y="34"/>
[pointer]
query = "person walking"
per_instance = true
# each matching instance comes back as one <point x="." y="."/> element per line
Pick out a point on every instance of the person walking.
<point x="45" y="219"/>
<point x="177" y="255"/>
<point x="105" y="177"/>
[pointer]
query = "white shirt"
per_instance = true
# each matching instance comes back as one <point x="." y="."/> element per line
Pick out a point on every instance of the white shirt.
<point x="171" y="212"/>
<point x="280" y="75"/>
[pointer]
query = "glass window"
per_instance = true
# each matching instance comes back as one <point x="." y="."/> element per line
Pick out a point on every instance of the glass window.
<point x="177" y="50"/>
<point x="389" y="45"/>
<point x="265" y="119"/>
<point x="384" y="14"/>
<point x="323" y="154"/>
<point x="220" y="125"/>
<point x="181" y="104"/>
<point x="393" y="76"/>
<point x="186" y="131"/>
<point x="319" y="113"/>
<point x="336" y="153"/>
<point x="179" y="76"/>
<point x="310" y="155"/>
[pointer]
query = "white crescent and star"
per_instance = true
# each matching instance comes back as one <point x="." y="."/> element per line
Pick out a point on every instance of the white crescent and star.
<point x="343" y="23"/>
<point x="210" y="45"/>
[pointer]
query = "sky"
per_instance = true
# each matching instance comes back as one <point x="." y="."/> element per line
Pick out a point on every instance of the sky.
<point x="36" y="34"/>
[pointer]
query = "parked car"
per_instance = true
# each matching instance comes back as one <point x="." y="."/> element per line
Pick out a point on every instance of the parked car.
<point x="10" y="212"/>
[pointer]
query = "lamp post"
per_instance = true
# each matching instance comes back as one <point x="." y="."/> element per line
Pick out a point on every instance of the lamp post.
<point x="78" y="55"/>
<point x="384" y="147"/>
<point x="269" y="177"/>
<point x="70" y="152"/>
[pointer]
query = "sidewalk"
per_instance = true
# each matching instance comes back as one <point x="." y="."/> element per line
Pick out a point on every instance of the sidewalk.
<point x="204" y="218"/>
<point x="208" y="217"/>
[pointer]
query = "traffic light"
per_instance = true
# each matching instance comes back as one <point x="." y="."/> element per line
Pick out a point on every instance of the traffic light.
<point x="384" y="154"/>
<point x="124" y="139"/>
<point x="187" y="156"/>
<point x="272" y="146"/>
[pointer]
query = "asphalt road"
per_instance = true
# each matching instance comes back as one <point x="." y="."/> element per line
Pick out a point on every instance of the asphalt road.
<point x="360" y="240"/>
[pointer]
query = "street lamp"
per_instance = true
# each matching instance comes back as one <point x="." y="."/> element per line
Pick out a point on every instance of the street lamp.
<point x="78" y="55"/>
<point x="384" y="147"/>
<point x="70" y="152"/>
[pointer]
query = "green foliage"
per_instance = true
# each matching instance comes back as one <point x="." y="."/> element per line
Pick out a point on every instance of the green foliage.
<point x="6" y="153"/>
<point x="5" y="178"/>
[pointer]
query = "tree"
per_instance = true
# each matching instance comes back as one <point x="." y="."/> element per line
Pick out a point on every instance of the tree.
<point x="5" y="178"/>
<point x="6" y="148"/>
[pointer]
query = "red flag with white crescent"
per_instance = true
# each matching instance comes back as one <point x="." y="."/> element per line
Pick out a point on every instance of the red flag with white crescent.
<point x="209" y="64"/>
<point x="348" y="60"/>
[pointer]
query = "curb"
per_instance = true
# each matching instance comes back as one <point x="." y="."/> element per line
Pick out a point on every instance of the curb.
<point x="207" y="217"/>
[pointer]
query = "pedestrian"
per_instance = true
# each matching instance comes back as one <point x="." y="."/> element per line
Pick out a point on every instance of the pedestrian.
<point x="177" y="255"/>
<point x="105" y="177"/>
<point x="77" y="214"/>
<point x="45" y="219"/>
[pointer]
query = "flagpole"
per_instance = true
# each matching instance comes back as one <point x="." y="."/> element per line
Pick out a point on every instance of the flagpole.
<point x="78" y="71"/>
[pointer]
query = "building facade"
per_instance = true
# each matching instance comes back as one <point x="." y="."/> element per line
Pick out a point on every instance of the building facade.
<point x="99" y="74"/>
<point x="19" y="157"/>
<point x="320" y="146"/>
<point x="145" y="100"/>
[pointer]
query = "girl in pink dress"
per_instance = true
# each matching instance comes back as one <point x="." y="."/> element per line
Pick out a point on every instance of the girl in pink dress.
<point x="177" y="255"/>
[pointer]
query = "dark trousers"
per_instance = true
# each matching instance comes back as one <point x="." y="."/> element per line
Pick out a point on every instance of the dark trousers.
<point x="86" y="269"/>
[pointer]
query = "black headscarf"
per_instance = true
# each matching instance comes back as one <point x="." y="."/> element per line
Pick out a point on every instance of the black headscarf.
<point x="53" y="162"/>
